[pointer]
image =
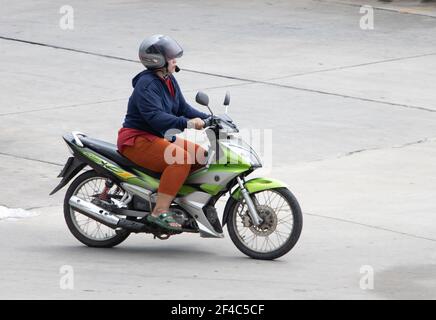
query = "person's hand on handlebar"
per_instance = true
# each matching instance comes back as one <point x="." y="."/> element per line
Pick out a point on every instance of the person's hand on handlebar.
<point x="207" y="122"/>
<point x="195" y="123"/>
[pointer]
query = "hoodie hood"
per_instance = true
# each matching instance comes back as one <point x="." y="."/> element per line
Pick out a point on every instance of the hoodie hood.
<point x="140" y="75"/>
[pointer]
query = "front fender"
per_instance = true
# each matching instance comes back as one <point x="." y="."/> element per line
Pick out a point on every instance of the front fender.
<point x="258" y="184"/>
<point x="253" y="185"/>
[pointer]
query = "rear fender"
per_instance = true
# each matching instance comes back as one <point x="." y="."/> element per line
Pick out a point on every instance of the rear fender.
<point x="71" y="168"/>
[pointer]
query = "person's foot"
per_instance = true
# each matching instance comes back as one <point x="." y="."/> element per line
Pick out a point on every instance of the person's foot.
<point x="165" y="219"/>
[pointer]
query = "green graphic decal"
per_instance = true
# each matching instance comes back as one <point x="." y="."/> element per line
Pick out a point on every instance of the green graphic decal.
<point x="212" y="189"/>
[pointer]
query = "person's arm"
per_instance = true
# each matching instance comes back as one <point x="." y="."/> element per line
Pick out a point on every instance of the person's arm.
<point x="190" y="112"/>
<point x="149" y="103"/>
<point x="185" y="109"/>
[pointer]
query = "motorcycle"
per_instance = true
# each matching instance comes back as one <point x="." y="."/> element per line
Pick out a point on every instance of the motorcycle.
<point x="105" y="204"/>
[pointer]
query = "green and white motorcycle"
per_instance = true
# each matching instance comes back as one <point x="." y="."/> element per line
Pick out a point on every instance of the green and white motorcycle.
<point x="104" y="205"/>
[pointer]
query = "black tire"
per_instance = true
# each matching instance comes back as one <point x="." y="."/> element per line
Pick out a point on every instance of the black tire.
<point x="287" y="245"/>
<point x="117" y="239"/>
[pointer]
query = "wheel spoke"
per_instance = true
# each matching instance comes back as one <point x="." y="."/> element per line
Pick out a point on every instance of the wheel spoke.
<point x="271" y="199"/>
<point x="280" y="206"/>
<point x="85" y="222"/>
<point x="281" y="233"/>
<point x="278" y="225"/>
<point x="286" y="221"/>
<point x="86" y="225"/>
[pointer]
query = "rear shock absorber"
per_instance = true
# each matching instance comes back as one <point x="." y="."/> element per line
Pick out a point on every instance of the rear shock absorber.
<point x="107" y="186"/>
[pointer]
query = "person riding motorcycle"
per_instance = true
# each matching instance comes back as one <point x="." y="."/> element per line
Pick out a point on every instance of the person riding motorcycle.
<point x="156" y="106"/>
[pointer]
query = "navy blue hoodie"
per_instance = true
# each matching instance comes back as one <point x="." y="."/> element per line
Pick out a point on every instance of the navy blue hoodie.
<point x="151" y="107"/>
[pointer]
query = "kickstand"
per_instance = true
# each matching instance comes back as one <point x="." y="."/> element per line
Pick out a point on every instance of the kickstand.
<point x="161" y="237"/>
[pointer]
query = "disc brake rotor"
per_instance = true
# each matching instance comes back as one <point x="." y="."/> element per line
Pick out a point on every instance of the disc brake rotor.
<point x="268" y="225"/>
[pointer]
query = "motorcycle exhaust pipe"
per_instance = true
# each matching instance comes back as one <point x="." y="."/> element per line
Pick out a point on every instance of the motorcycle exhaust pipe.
<point x="103" y="216"/>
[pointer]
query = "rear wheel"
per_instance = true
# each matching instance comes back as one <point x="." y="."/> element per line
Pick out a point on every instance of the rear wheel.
<point x="279" y="231"/>
<point x="88" y="186"/>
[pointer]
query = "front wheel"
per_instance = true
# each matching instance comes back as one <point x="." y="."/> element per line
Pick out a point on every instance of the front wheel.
<point x="279" y="231"/>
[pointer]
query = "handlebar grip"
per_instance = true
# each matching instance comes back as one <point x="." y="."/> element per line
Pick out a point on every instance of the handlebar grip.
<point x="208" y="122"/>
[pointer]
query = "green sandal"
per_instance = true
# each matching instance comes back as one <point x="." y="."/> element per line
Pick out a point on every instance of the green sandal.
<point x="163" y="220"/>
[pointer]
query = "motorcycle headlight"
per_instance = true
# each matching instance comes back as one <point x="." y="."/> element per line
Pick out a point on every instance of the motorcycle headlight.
<point x="246" y="152"/>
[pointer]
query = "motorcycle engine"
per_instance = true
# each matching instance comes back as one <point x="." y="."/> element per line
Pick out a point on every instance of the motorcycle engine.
<point x="183" y="218"/>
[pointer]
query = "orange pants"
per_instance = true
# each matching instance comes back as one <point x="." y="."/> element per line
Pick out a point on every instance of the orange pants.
<point x="175" y="160"/>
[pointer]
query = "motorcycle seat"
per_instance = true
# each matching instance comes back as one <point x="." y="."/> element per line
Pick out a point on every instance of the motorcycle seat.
<point x="111" y="152"/>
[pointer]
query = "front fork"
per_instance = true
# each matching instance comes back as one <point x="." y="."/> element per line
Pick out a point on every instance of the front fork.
<point x="251" y="207"/>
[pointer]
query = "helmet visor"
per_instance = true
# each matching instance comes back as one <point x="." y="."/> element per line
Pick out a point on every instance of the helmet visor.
<point x="169" y="48"/>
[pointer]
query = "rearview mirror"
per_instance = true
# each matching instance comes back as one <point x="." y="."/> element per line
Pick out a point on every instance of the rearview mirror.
<point x="202" y="98"/>
<point x="227" y="99"/>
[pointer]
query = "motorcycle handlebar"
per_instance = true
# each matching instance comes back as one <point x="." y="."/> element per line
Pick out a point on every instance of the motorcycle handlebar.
<point x="216" y="122"/>
<point x="208" y="122"/>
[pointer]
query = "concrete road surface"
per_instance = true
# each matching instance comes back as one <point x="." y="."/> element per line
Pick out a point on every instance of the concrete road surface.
<point x="352" y="113"/>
